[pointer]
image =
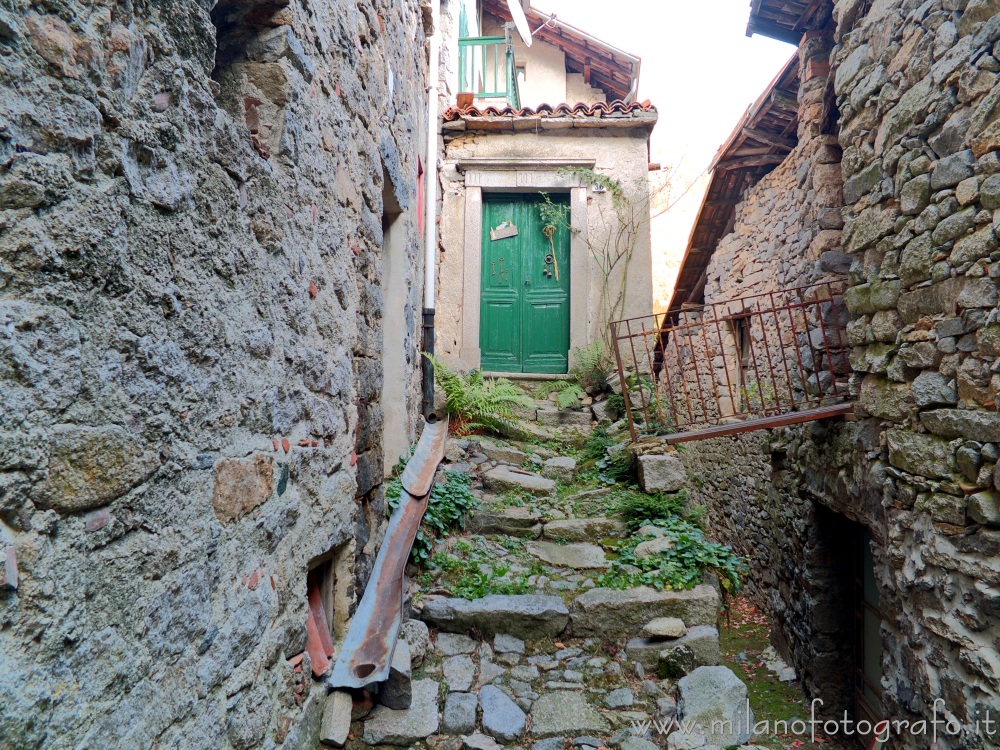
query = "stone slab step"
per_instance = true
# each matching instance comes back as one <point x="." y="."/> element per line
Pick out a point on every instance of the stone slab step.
<point x="610" y="613"/>
<point x="530" y="617"/>
<point x="583" y="529"/>
<point x="699" y="647"/>
<point x="564" y="713"/>
<point x="525" y="523"/>
<point x="579" y="556"/>
<point x="506" y="479"/>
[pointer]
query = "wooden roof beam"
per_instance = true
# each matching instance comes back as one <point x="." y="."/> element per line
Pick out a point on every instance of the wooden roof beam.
<point x="771" y="139"/>
<point x="763" y="160"/>
<point x="785" y="100"/>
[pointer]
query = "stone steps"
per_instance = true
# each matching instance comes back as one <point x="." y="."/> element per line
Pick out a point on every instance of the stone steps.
<point x="546" y="673"/>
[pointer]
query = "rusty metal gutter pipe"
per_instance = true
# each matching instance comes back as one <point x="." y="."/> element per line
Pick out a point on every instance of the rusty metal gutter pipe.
<point x="371" y="638"/>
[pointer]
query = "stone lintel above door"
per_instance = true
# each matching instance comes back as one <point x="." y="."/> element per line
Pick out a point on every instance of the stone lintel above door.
<point x="522" y="174"/>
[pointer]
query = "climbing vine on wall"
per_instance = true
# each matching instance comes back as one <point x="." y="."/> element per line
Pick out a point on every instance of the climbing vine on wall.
<point x="615" y="228"/>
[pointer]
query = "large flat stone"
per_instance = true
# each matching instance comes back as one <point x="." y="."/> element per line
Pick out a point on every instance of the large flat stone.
<point x="502" y="718"/>
<point x="560" y="468"/>
<point x="565" y="713"/>
<point x="583" y="529"/>
<point x="503" y="454"/>
<point x="390" y="727"/>
<point x="983" y="426"/>
<point x="716" y="700"/>
<point x="924" y="455"/>
<point x="505" y="479"/>
<point x="661" y="473"/>
<point x="527" y="616"/>
<point x="91" y="466"/>
<point x="665" y="627"/>
<point x="459" y="672"/>
<point x="579" y="420"/>
<point x="702" y="641"/>
<point x="579" y="556"/>
<point x="459" y="713"/>
<point x="610" y="613"/>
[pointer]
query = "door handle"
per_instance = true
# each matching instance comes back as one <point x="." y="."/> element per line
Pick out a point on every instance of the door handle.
<point x="527" y="282"/>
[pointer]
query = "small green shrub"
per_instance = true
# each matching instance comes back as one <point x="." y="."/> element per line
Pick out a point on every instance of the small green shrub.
<point x="616" y="405"/>
<point x="678" y="568"/>
<point x="638" y="508"/>
<point x="597" y="444"/>
<point x="619" y="467"/>
<point x="447" y="508"/>
<point x="477" y="403"/>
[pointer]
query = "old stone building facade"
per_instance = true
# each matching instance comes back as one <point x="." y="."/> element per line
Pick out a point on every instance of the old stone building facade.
<point x="874" y="541"/>
<point x="208" y="254"/>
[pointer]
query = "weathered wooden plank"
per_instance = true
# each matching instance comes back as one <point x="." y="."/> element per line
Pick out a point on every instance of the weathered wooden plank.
<point x="771" y="139"/>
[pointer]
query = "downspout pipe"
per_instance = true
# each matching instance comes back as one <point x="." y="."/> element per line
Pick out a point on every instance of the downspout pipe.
<point x="430" y="207"/>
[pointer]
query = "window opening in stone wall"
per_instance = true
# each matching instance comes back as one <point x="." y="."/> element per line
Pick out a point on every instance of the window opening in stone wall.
<point x="868" y="638"/>
<point x="253" y="86"/>
<point x="328" y="588"/>
<point x="744" y="352"/>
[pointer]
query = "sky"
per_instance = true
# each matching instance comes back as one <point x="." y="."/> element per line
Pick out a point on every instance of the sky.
<point x="701" y="72"/>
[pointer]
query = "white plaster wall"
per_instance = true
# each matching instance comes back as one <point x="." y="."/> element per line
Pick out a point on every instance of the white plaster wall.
<point x="578" y="92"/>
<point x="396" y="371"/>
<point x="614" y="153"/>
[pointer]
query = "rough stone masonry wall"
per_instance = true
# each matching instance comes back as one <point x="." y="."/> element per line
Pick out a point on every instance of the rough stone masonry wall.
<point x="917" y="90"/>
<point x="190" y="344"/>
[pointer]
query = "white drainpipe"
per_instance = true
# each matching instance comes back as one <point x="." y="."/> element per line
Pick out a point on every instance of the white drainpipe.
<point x="430" y="206"/>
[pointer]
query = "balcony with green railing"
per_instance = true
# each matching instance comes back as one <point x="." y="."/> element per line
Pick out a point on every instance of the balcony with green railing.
<point x="486" y="68"/>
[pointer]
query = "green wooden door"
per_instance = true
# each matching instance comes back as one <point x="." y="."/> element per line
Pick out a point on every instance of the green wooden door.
<point x="524" y="313"/>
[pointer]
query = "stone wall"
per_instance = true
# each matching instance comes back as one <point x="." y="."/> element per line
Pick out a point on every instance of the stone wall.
<point x="915" y="89"/>
<point x="916" y="86"/>
<point x="191" y="230"/>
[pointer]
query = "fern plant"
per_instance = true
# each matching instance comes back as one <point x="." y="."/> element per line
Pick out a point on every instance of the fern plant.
<point x="569" y="394"/>
<point x="592" y="366"/>
<point x="477" y="403"/>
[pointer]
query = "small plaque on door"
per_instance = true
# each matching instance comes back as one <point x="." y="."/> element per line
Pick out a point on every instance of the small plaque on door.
<point x="502" y="232"/>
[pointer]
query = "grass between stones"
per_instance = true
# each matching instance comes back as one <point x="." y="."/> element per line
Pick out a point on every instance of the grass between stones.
<point x="744" y="638"/>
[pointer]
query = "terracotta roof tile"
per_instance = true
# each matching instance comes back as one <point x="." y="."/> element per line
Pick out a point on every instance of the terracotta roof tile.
<point x="600" y="109"/>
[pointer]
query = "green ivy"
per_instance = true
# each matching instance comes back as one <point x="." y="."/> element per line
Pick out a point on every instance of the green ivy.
<point x="447" y="508"/>
<point x="472" y="573"/>
<point x="678" y="568"/>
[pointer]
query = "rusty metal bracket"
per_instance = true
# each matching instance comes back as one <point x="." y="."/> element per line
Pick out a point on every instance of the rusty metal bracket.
<point x="371" y="638"/>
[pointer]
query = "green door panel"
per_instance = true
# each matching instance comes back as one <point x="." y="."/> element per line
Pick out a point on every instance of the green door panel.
<point x="500" y="306"/>
<point x="524" y="314"/>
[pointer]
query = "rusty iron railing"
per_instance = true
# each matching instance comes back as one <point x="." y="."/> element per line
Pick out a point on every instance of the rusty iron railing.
<point x="765" y="360"/>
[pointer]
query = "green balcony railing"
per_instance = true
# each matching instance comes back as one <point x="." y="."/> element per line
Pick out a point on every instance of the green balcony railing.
<point x="486" y="68"/>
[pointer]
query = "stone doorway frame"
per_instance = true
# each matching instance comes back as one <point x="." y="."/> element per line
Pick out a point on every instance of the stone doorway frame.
<point x="523" y="176"/>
